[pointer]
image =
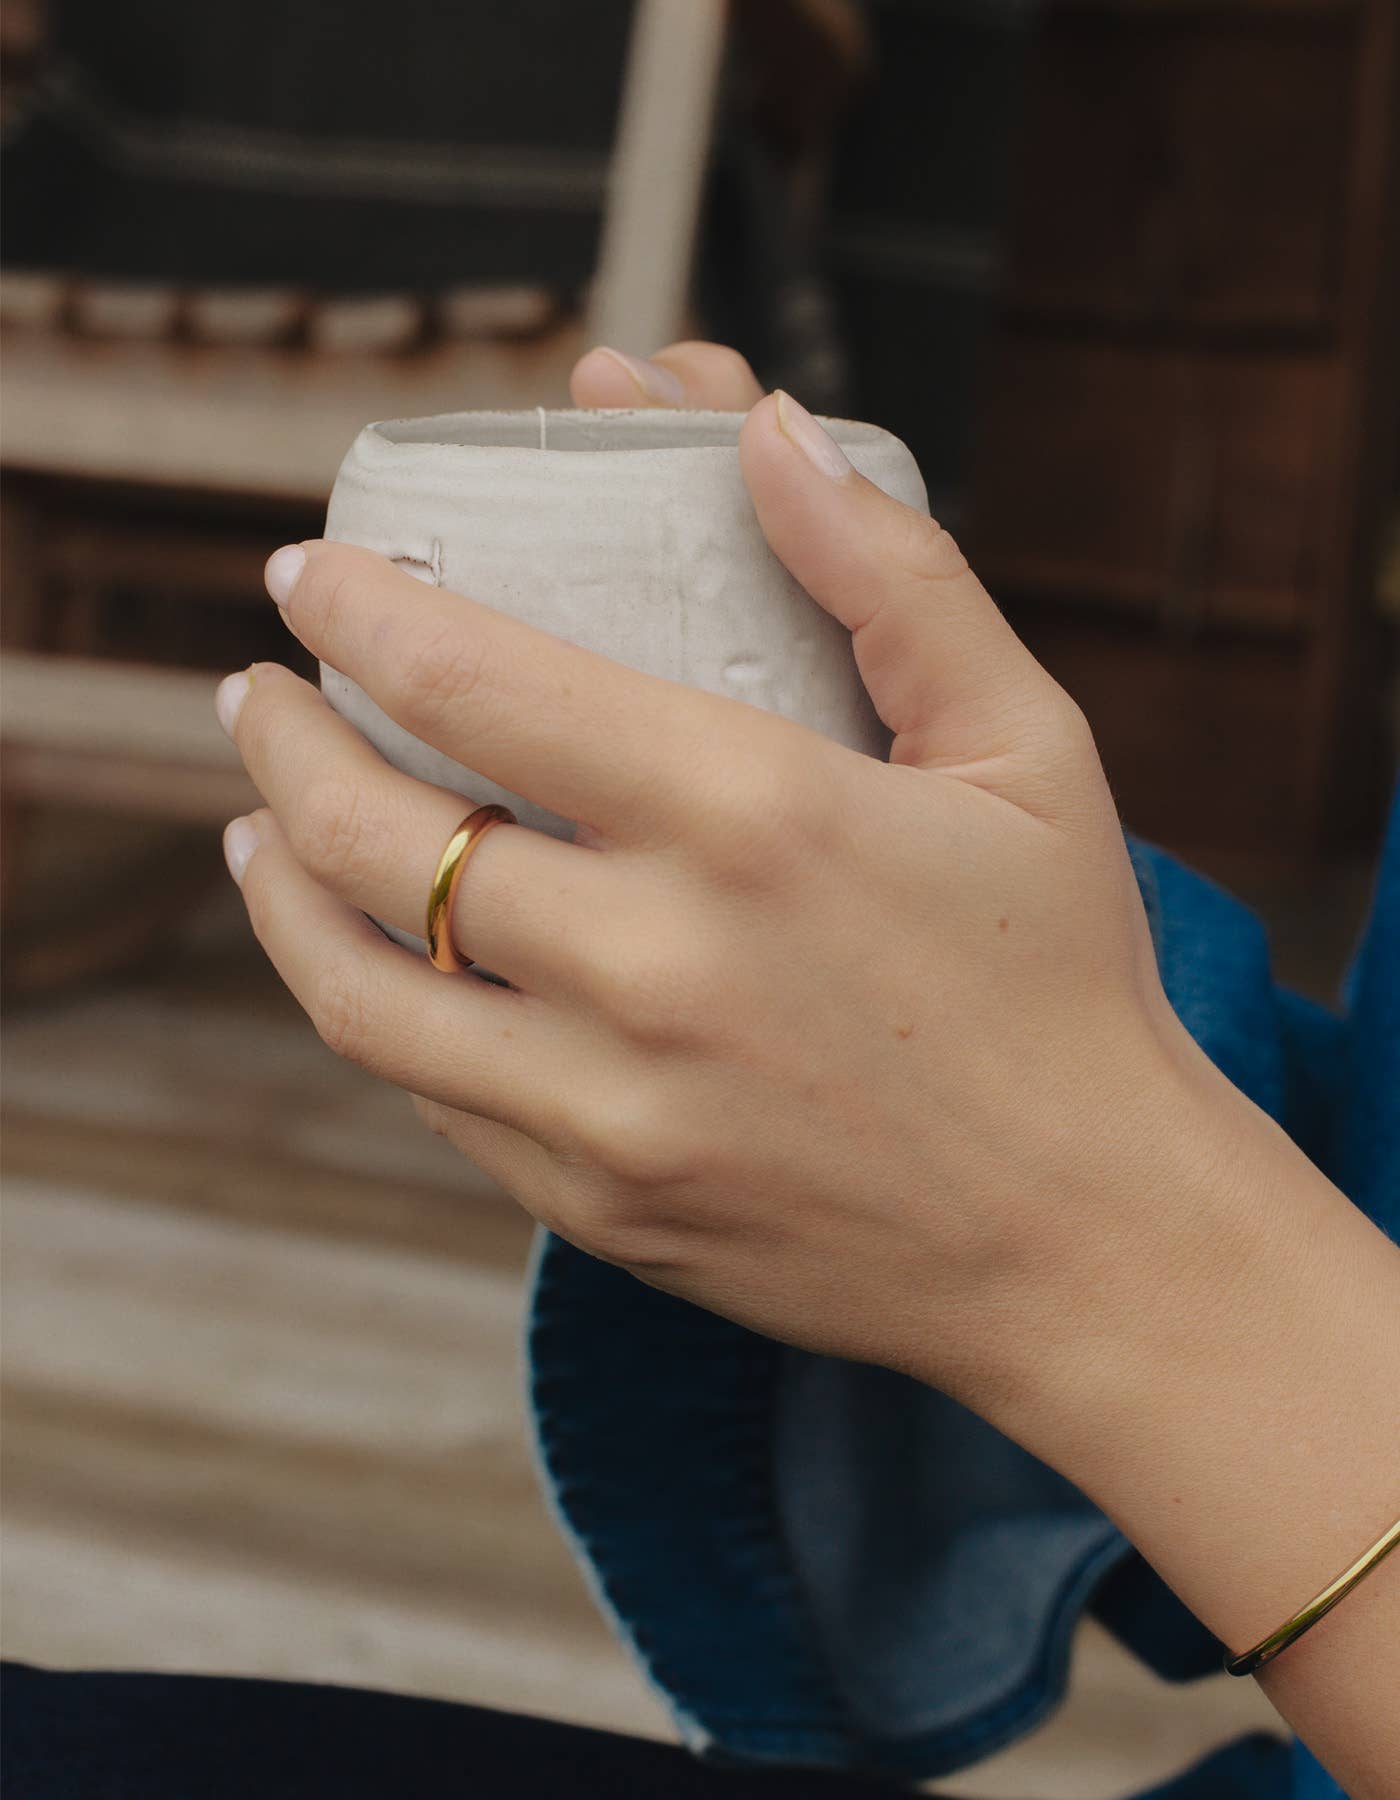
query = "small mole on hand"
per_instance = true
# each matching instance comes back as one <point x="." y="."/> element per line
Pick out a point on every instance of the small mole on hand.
<point x="903" y="1031"/>
<point x="1002" y="924"/>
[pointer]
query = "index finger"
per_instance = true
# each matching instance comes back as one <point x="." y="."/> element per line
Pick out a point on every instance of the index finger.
<point x="624" y="753"/>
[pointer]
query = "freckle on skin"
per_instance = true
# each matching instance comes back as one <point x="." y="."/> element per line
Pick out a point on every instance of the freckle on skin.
<point x="904" y="1031"/>
<point x="1002" y="924"/>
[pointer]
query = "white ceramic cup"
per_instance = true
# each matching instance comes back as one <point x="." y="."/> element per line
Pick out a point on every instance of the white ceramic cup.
<point x="629" y="533"/>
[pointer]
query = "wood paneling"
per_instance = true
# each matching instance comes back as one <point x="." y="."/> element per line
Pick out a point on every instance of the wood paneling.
<point x="1189" y="429"/>
<point x="1190" y="169"/>
<point x="1167" y="482"/>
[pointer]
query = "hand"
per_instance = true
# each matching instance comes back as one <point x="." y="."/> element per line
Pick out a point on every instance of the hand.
<point x="841" y="1049"/>
<point x="871" y="1057"/>
<point x="1154" y="1290"/>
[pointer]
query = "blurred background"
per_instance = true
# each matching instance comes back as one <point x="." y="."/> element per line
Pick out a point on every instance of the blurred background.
<point x="1123" y="274"/>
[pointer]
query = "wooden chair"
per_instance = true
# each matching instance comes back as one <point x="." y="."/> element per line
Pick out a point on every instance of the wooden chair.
<point x="218" y="421"/>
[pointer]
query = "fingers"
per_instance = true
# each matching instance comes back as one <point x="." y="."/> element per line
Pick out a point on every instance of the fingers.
<point x="705" y="377"/>
<point x="452" y="1038"/>
<point x="627" y="755"/>
<point x="526" y="1170"/>
<point x="946" y="672"/>
<point x="373" y="836"/>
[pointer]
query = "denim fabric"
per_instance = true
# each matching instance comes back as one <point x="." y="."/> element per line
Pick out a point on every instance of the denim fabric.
<point x="821" y="1562"/>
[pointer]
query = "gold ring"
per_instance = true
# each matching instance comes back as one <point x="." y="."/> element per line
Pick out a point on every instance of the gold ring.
<point x="442" y="895"/>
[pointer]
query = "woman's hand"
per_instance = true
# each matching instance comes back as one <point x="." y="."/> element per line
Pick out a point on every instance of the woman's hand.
<point x="832" y="1046"/>
<point x="872" y="1057"/>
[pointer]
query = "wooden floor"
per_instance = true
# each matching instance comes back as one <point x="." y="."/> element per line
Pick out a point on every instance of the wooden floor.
<point x="262" y="1390"/>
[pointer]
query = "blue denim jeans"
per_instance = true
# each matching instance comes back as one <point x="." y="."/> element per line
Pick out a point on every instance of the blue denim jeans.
<point x="821" y="1562"/>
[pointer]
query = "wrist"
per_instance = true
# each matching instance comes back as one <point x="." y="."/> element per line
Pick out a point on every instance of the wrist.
<point x="1239" y="1257"/>
<point x="1230" y="1394"/>
<point x="1176" y="1255"/>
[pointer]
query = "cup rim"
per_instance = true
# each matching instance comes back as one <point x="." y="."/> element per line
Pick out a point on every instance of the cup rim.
<point x="572" y="431"/>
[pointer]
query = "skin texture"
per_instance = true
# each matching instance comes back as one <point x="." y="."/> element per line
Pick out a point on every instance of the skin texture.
<point x="871" y="1057"/>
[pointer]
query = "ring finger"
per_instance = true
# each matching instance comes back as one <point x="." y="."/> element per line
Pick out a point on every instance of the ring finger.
<point x="488" y="1051"/>
<point x="373" y="836"/>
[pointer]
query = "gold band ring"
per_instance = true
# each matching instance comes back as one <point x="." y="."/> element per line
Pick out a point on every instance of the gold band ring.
<point x="442" y="896"/>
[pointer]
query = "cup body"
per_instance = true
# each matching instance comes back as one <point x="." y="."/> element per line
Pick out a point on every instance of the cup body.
<point x="629" y="533"/>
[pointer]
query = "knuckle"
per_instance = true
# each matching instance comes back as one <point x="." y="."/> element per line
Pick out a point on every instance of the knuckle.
<point x="653" y="991"/>
<point x="934" y="553"/>
<point x="441" y="667"/>
<point x="258" y="901"/>
<point x="326" y="584"/>
<point x="1068" y="729"/>
<point x="1061" y="773"/>
<point x="765" y="826"/>
<point x="340" y="1013"/>
<point x="606" y="1227"/>
<point x="629" y="1135"/>
<point x="619" y="1230"/>
<point x="918" y="549"/>
<point x="332" y="832"/>
<point x="430" y="1113"/>
<point x="725" y="366"/>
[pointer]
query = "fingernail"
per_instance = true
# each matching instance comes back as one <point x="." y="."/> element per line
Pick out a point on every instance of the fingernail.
<point x="240" y="841"/>
<point x="228" y="701"/>
<point x="816" y="444"/>
<point x="283" y="568"/>
<point x="650" y="379"/>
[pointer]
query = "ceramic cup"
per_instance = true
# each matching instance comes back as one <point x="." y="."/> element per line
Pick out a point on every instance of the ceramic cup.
<point x="629" y="533"/>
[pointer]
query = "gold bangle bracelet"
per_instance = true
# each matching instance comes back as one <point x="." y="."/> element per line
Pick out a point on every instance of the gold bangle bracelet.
<point x="1251" y="1660"/>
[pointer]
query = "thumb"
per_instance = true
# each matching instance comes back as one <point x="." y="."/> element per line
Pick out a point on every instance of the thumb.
<point x="946" y="672"/>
